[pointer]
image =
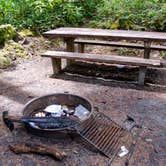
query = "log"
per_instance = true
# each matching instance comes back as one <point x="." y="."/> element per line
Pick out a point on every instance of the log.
<point x="37" y="148"/>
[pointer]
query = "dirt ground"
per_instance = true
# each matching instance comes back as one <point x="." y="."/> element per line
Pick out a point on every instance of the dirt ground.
<point x="116" y="99"/>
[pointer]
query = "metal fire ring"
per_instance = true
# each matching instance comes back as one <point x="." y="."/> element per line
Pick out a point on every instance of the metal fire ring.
<point x="56" y="98"/>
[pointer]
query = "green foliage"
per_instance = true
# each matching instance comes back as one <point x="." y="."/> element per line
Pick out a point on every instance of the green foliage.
<point x="89" y="7"/>
<point x="41" y="15"/>
<point x="128" y="52"/>
<point x="132" y="14"/>
<point x="26" y="32"/>
<point x="163" y="54"/>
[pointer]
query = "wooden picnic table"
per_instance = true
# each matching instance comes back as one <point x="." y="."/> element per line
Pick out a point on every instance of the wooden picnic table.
<point x="70" y="34"/>
<point x="108" y="34"/>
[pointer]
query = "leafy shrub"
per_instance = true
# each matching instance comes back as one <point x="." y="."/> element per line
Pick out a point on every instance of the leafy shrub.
<point x="41" y="15"/>
<point x="132" y="14"/>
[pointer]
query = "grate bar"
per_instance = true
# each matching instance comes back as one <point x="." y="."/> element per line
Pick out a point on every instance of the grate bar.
<point x="112" y="143"/>
<point x="86" y="127"/>
<point x="85" y="124"/>
<point x="89" y="128"/>
<point x="94" y="133"/>
<point x="113" y="136"/>
<point x="92" y="129"/>
<point x="101" y="132"/>
<point x="114" y="148"/>
<point x="100" y="135"/>
<point x="104" y="143"/>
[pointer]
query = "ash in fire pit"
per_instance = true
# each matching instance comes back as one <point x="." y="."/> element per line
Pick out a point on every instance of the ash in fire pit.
<point x="62" y="116"/>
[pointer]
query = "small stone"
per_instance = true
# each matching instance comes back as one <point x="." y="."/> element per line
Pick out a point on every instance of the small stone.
<point x="148" y="140"/>
<point x="74" y="151"/>
<point x="134" y="134"/>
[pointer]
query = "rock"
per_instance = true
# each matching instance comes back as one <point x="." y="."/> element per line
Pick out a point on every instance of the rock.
<point x="148" y="140"/>
<point x="75" y="151"/>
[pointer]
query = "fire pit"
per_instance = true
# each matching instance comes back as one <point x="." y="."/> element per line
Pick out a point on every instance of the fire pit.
<point x="55" y="114"/>
<point x="60" y="106"/>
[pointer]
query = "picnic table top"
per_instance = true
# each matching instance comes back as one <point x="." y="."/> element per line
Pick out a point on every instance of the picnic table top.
<point x="109" y="34"/>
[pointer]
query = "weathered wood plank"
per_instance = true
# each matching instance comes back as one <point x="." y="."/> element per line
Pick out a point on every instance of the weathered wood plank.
<point x="102" y="58"/>
<point x="70" y="48"/>
<point x="141" y="76"/>
<point x="147" y="45"/>
<point x="56" y="65"/>
<point x="118" y="44"/>
<point x="81" y="47"/>
<point x="109" y="34"/>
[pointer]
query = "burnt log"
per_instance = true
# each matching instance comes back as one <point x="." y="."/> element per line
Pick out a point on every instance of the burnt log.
<point x="39" y="149"/>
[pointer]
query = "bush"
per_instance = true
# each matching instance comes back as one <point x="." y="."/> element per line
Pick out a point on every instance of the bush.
<point x="132" y="14"/>
<point x="41" y="15"/>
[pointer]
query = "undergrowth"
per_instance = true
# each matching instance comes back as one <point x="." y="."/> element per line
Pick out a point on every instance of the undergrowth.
<point x="149" y="15"/>
<point x="41" y="15"/>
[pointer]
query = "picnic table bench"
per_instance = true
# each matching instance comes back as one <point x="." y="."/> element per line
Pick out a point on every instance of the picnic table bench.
<point x="71" y="35"/>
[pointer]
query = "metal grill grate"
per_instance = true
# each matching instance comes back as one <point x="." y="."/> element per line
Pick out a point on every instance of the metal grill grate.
<point x="102" y="132"/>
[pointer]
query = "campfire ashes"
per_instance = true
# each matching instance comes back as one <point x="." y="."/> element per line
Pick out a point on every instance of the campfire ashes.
<point x="60" y="116"/>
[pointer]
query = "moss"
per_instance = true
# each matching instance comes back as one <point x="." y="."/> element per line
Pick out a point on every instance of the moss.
<point x="26" y="32"/>
<point x="11" y="52"/>
<point x="16" y="49"/>
<point x="4" y="61"/>
<point x="6" y="33"/>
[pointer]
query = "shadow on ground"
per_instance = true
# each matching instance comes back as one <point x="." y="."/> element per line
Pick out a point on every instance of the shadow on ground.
<point x="116" y="76"/>
<point x="15" y="92"/>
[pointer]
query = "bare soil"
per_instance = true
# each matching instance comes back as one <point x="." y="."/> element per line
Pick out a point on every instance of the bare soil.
<point x="117" y="99"/>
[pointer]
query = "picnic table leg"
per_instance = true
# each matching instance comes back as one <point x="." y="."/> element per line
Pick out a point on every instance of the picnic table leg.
<point x="142" y="73"/>
<point x="81" y="47"/>
<point x="56" y="65"/>
<point x="70" y="48"/>
<point x="147" y="45"/>
<point x="143" y="69"/>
